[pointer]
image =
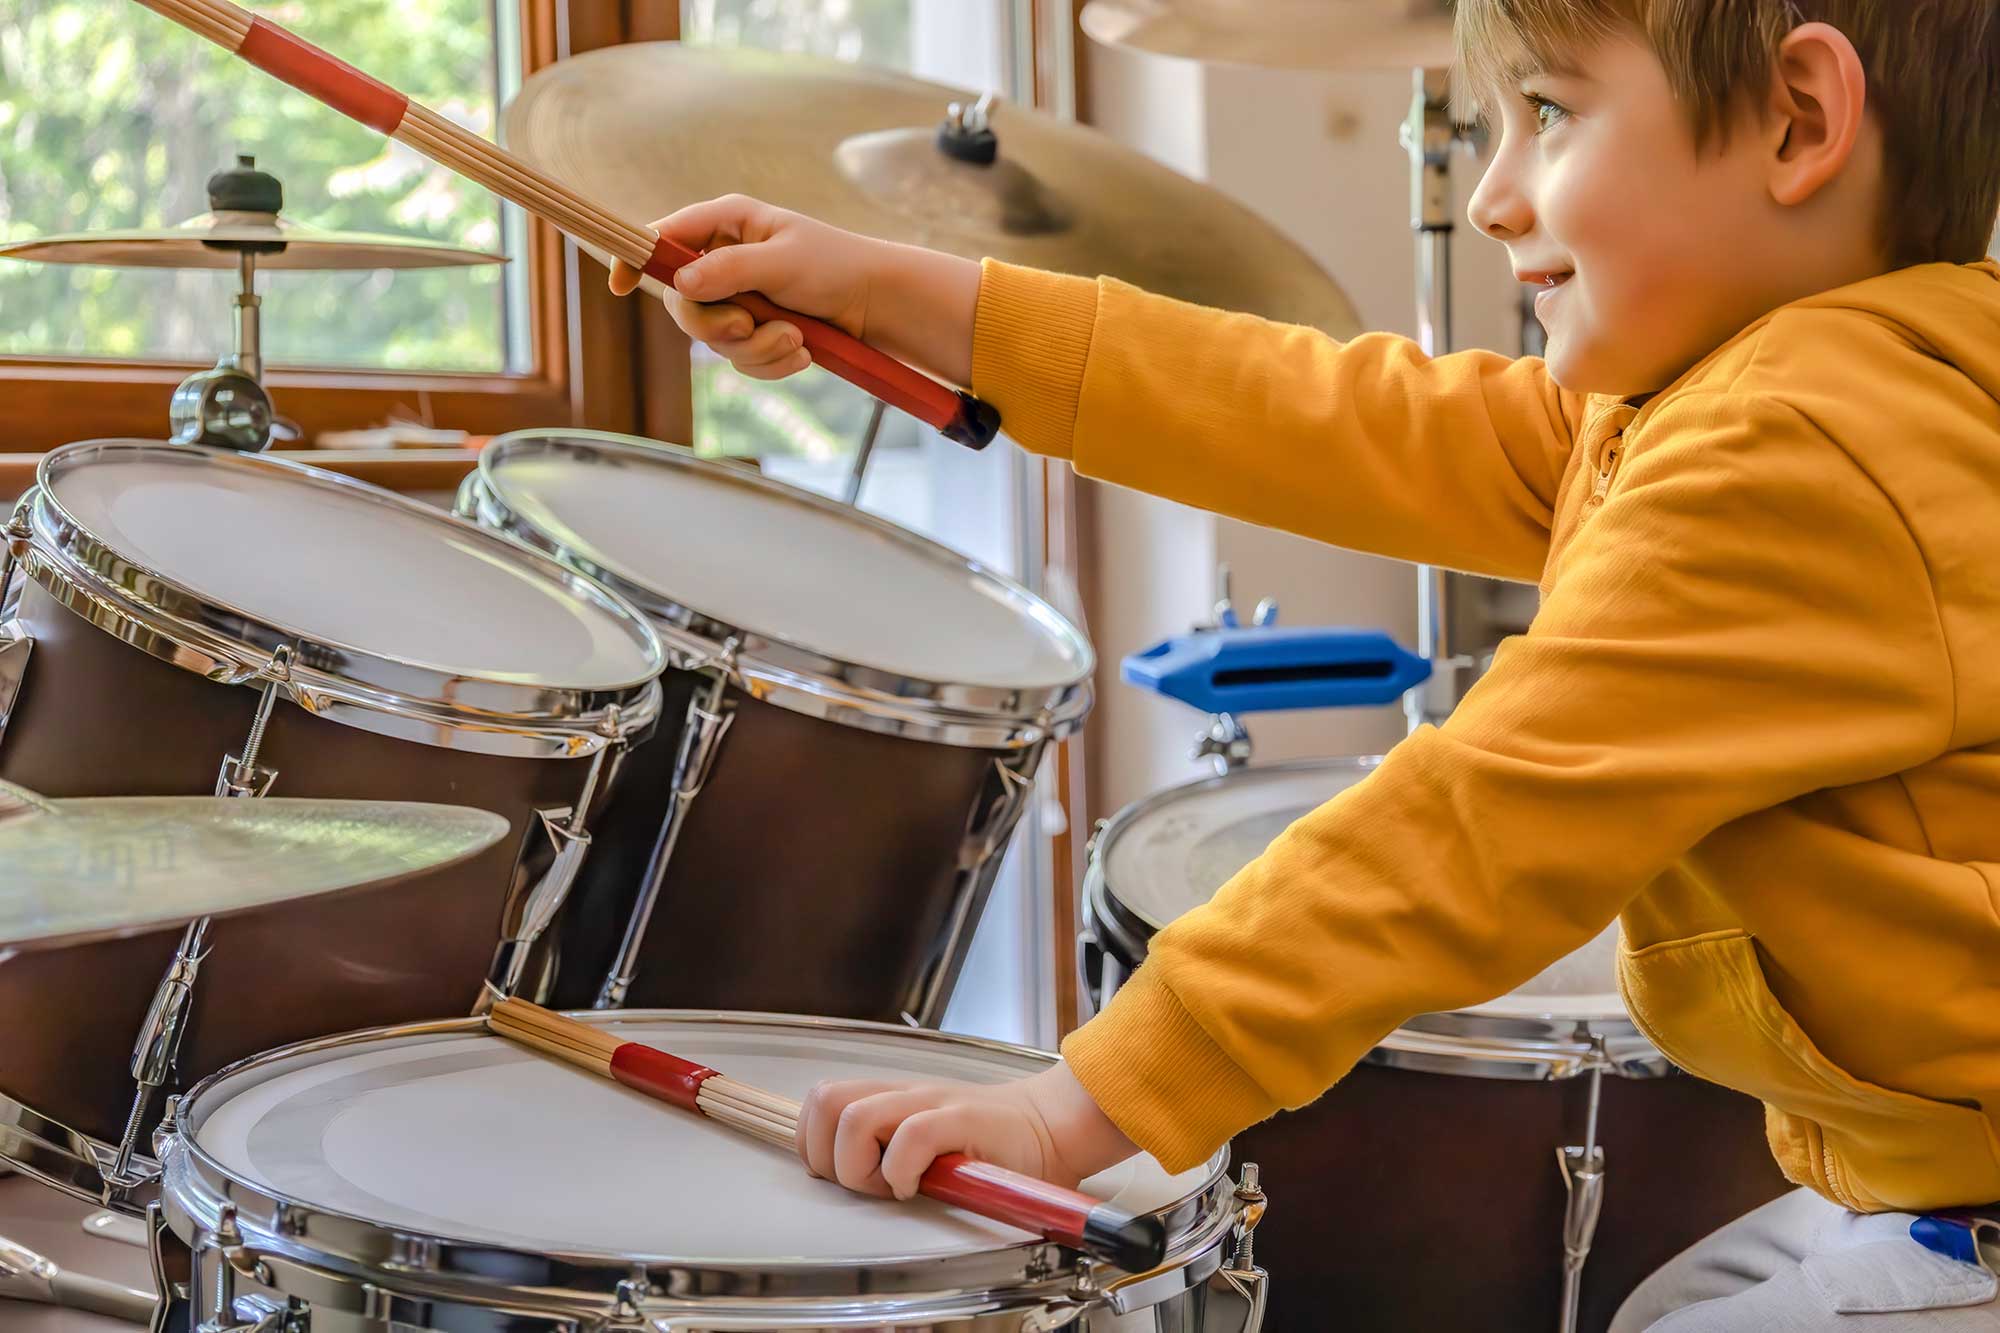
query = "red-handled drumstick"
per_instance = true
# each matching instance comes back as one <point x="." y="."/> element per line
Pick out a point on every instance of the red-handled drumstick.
<point x="1132" y="1242"/>
<point x="955" y="414"/>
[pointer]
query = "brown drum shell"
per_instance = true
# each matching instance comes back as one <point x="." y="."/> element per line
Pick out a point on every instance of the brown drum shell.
<point x="96" y="717"/>
<point x="813" y="875"/>
<point x="1419" y="1201"/>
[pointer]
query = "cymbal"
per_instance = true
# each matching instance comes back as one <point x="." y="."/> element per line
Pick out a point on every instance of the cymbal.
<point x="1289" y="34"/>
<point x="214" y="240"/>
<point x="647" y="128"/>
<point x="79" y="870"/>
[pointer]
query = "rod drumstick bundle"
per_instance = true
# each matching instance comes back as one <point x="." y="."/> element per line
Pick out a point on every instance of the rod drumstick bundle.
<point x="1132" y="1242"/>
<point x="275" y="50"/>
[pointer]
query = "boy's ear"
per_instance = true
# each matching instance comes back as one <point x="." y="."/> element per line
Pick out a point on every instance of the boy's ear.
<point x="1818" y="103"/>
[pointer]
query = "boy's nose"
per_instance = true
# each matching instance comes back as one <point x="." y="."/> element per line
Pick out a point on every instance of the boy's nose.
<point x="1498" y="208"/>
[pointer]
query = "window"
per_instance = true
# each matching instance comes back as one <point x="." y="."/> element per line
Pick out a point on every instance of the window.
<point x="111" y="116"/>
<point x="806" y="429"/>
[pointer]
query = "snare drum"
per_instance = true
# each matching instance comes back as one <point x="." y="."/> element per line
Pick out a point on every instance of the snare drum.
<point x="1444" y="1202"/>
<point x="854" y="719"/>
<point x="437" y="1178"/>
<point x="161" y="590"/>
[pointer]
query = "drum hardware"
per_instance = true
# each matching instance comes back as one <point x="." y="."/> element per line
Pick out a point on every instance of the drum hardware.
<point x="1583" y="1184"/>
<point x="159" y="1043"/>
<point x="28" y="1276"/>
<point x="857" y="472"/>
<point x="709" y="715"/>
<point x="566" y="832"/>
<point x="1244" y="1278"/>
<point x="1010" y="781"/>
<point x="1433" y="136"/>
<point x="117" y="1228"/>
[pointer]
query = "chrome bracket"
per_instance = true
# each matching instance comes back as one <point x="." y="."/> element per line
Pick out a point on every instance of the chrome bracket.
<point x="709" y="714"/>
<point x="566" y="831"/>
<point x="1240" y="1285"/>
<point x="240" y="775"/>
<point x="1226" y="742"/>
<point x="15" y="647"/>
<point x="1002" y="801"/>
<point x="1582" y="1170"/>
<point x="15" y="548"/>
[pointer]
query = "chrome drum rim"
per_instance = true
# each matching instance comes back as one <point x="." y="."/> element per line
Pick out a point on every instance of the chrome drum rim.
<point x="793" y="675"/>
<point x="326" y="1248"/>
<point x="375" y="691"/>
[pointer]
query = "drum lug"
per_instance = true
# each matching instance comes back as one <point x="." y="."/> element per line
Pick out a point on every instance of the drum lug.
<point x="1090" y="967"/>
<point x="565" y="827"/>
<point x="709" y="714"/>
<point x="15" y="646"/>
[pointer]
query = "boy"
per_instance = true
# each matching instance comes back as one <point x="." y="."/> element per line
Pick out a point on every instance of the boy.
<point x="1758" y="715"/>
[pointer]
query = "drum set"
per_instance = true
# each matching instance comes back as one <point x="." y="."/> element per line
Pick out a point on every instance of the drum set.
<point x="299" y="777"/>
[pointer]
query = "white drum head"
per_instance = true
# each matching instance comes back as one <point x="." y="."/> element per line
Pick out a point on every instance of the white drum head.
<point x="762" y="558"/>
<point x="1185" y="844"/>
<point x="471" y="1138"/>
<point x="336" y="564"/>
<point x="1181" y="847"/>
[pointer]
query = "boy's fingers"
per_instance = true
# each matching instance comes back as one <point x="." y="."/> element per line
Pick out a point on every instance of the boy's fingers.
<point x="624" y="278"/>
<point x="713" y="324"/>
<point x="819" y="1117"/>
<point x="920" y="1140"/>
<point x="778" y="370"/>
<point x="864" y="1127"/>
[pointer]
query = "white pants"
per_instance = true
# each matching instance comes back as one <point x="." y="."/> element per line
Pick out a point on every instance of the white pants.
<point x="1803" y="1265"/>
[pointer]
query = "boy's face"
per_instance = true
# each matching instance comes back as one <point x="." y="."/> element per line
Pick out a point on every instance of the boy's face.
<point x="1653" y="249"/>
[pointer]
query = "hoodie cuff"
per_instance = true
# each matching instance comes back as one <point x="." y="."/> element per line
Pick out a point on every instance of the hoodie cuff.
<point x="1160" y="1077"/>
<point x="1030" y="343"/>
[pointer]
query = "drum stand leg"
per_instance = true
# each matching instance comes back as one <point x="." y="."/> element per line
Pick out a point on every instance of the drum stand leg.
<point x="28" y="1276"/>
<point x="1001" y="804"/>
<point x="15" y="644"/>
<point x="566" y="831"/>
<point x="159" y="1043"/>
<point x="1583" y="1181"/>
<point x="708" y="719"/>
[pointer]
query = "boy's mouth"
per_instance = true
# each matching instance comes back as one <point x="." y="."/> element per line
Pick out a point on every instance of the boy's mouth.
<point x="1544" y="277"/>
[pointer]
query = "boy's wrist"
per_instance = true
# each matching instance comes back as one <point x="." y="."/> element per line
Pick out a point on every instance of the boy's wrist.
<point x="921" y="306"/>
<point x="1087" y="1140"/>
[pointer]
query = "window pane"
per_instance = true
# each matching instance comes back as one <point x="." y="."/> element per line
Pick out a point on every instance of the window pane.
<point x="111" y="116"/>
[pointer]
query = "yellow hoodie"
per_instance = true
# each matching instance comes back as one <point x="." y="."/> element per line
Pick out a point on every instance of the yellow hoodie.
<point x="1757" y="717"/>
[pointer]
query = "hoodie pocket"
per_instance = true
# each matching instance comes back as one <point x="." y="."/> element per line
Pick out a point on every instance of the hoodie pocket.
<point x="1705" y="1003"/>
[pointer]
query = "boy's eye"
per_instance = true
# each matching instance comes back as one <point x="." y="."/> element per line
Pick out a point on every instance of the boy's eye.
<point x="1547" y="114"/>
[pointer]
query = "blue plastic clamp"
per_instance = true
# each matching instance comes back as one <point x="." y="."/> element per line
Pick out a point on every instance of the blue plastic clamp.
<point x="1265" y="669"/>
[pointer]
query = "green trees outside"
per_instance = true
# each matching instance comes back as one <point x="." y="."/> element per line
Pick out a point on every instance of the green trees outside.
<point x="112" y="116"/>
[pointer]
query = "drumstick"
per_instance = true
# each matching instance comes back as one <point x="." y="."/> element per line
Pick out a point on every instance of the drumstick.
<point x="1132" y="1242"/>
<point x="275" y="50"/>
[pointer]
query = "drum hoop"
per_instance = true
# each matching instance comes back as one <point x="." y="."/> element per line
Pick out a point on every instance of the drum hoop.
<point x="791" y="674"/>
<point x="195" y="1185"/>
<point x="375" y="691"/>
<point x="71" y="1161"/>
<point x="1522" y="1044"/>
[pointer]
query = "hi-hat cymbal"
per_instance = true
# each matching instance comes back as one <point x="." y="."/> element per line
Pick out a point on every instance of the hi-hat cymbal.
<point x="78" y="870"/>
<point x="1288" y="34"/>
<point x="647" y="128"/>
<point x="214" y="240"/>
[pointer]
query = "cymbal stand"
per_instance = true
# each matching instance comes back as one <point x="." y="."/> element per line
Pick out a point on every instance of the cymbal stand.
<point x="1433" y="137"/>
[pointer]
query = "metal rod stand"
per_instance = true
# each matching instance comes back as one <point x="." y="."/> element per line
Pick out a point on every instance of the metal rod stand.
<point x="708" y="718"/>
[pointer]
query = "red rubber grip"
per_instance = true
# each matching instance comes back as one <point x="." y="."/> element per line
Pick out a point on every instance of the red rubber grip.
<point x="1008" y="1196"/>
<point x="658" y="1074"/>
<point x="907" y="390"/>
<point x="317" y="74"/>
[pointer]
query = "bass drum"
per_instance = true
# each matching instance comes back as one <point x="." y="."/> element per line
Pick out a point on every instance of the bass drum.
<point x="1436" y="1185"/>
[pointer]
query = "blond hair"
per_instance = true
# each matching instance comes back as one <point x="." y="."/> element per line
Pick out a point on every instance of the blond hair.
<point x="1933" y="71"/>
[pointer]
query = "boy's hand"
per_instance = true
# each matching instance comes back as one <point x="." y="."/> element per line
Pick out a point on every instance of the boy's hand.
<point x="879" y="1137"/>
<point x="914" y="304"/>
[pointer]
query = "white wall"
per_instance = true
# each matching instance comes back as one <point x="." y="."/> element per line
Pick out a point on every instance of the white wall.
<point x="1319" y="156"/>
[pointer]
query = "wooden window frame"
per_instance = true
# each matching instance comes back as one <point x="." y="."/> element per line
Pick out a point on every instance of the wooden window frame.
<point x="597" y="361"/>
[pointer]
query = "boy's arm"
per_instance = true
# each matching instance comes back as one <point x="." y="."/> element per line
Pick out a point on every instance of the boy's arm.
<point x="1366" y="444"/>
<point x="1746" y="621"/>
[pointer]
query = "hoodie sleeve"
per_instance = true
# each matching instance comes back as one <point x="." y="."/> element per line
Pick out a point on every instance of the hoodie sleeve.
<point x="1367" y="444"/>
<point x="1746" y="620"/>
